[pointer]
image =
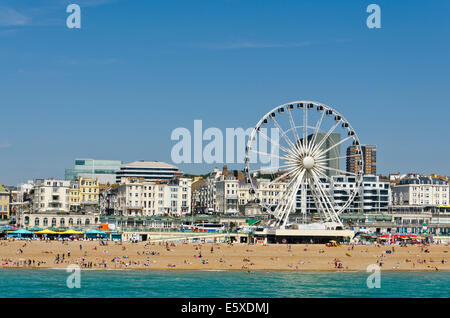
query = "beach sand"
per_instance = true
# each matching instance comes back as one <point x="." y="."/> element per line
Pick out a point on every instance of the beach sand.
<point x="223" y="257"/>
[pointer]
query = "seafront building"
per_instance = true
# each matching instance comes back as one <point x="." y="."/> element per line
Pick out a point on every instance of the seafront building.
<point x="102" y="170"/>
<point x="148" y="170"/>
<point x="59" y="220"/>
<point x="227" y="195"/>
<point x="207" y="196"/>
<point x="402" y="219"/>
<point x="420" y="190"/>
<point x="57" y="204"/>
<point x="5" y="201"/>
<point x="139" y="197"/>
<point x="373" y="195"/>
<point x="84" y="194"/>
<point x="51" y="195"/>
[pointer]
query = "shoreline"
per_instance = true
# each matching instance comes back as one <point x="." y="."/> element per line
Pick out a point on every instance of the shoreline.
<point x="226" y="270"/>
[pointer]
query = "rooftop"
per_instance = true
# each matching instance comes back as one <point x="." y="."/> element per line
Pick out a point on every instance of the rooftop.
<point x="149" y="165"/>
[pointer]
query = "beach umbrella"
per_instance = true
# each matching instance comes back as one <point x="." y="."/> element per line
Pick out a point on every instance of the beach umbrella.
<point x="21" y="231"/>
<point x="71" y="232"/>
<point x="46" y="231"/>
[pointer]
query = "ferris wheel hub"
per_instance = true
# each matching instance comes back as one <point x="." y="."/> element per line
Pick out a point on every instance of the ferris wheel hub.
<point x="308" y="162"/>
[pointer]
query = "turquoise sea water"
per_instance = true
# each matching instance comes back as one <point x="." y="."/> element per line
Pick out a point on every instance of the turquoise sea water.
<point x="211" y="284"/>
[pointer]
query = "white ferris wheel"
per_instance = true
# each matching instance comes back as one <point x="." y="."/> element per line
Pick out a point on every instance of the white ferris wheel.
<point x="316" y="151"/>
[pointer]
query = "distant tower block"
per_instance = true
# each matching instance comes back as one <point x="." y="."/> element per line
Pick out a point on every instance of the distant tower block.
<point x="369" y="153"/>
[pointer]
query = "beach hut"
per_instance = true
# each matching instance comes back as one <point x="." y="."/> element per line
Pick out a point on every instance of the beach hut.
<point x="22" y="233"/>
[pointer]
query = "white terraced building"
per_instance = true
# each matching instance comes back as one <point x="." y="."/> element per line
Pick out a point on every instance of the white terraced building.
<point x="420" y="190"/>
<point x="148" y="170"/>
<point x="137" y="197"/>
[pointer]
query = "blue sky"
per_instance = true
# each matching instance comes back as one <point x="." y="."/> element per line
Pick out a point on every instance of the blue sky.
<point x="116" y="88"/>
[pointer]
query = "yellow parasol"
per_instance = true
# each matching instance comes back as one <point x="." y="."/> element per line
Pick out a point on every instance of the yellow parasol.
<point x="46" y="231"/>
<point x="71" y="232"/>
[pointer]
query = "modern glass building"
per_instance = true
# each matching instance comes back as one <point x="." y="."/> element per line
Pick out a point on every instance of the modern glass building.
<point x="103" y="170"/>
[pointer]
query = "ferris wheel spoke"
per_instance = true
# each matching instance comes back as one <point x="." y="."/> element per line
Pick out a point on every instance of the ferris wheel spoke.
<point x="284" y="175"/>
<point x="327" y="196"/>
<point x="317" y="200"/>
<point x="324" y="159"/>
<point x="321" y="196"/>
<point x="305" y="127"/>
<point x="268" y="154"/>
<point x="293" y="199"/>
<point x="316" y="149"/>
<point x="283" y="134"/>
<point x="293" y="127"/>
<point x="338" y="170"/>
<point x="323" y="175"/>
<point x="335" y="145"/>
<point x="267" y="171"/>
<point x="274" y="142"/>
<point x="284" y="200"/>
<point x="316" y="130"/>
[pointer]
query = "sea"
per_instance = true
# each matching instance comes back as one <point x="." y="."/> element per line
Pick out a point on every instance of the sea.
<point x="52" y="283"/>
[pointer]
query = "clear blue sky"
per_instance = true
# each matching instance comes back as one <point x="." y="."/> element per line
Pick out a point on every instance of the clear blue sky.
<point x="138" y="69"/>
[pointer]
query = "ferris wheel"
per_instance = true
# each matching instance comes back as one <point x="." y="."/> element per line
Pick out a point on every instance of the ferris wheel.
<point x="306" y="174"/>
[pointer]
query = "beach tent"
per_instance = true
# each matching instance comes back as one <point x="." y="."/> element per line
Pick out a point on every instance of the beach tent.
<point x="95" y="234"/>
<point x="21" y="233"/>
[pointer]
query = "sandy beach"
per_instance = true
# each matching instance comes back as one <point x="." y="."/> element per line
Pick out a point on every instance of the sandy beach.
<point x="179" y="256"/>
